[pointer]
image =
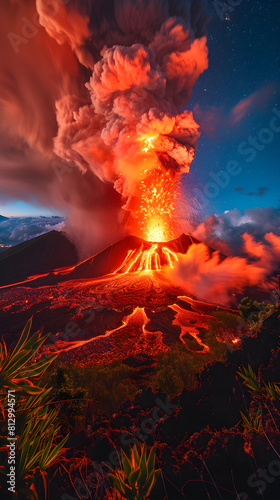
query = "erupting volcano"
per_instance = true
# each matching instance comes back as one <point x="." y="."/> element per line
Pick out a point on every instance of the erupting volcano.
<point x="122" y="77"/>
<point x="123" y="139"/>
<point x="124" y="299"/>
<point x="157" y="375"/>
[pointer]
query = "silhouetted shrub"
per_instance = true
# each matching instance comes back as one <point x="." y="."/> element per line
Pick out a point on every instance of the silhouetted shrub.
<point x="255" y="312"/>
<point x="178" y="368"/>
<point x="107" y="386"/>
<point x="225" y="325"/>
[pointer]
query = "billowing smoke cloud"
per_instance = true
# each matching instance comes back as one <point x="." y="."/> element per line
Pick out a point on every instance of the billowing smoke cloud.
<point x="216" y="279"/>
<point x="146" y="68"/>
<point x="35" y="73"/>
<point x="90" y="82"/>
<point x="251" y="244"/>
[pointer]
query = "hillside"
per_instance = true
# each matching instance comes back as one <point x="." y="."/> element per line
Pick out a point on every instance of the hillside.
<point x="36" y="256"/>
<point x="111" y="258"/>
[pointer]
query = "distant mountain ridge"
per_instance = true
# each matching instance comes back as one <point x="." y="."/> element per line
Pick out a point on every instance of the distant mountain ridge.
<point x="37" y="256"/>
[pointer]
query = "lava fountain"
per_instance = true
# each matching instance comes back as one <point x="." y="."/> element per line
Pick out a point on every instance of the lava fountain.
<point x="155" y="213"/>
<point x="158" y="193"/>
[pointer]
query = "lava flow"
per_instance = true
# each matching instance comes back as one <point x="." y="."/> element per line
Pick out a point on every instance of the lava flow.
<point x="152" y="259"/>
<point x="98" y="313"/>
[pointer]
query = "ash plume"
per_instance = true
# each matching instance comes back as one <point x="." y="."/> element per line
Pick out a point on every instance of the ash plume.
<point x="89" y="82"/>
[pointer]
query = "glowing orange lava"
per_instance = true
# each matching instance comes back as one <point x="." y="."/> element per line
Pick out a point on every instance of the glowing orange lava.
<point x="152" y="259"/>
<point x="186" y="320"/>
<point x="170" y="255"/>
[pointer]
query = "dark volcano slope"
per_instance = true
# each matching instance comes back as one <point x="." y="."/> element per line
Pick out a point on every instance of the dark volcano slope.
<point x="51" y="251"/>
<point x="37" y="256"/>
<point x="111" y="258"/>
<point x="106" y="261"/>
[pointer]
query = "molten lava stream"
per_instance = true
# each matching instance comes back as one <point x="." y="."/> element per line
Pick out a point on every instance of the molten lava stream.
<point x="129" y="341"/>
<point x="152" y="259"/>
<point x="149" y="342"/>
<point x="146" y="257"/>
<point x="185" y="320"/>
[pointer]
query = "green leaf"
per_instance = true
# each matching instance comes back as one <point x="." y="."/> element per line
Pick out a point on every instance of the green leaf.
<point x="126" y="464"/>
<point x="32" y="389"/>
<point x="133" y="476"/>
<point x="143" y="468"/>
<point x="149" y="485"/>
<point x="135" y="454"/>
<point x="40" y="367"/>
<point x="45" y="454"/>
<point x="55" y="452"/>
<point x="151" y="460"/>
<point x="24" y="336"/>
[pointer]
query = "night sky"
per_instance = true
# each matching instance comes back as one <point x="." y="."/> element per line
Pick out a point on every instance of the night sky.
<point x="244" y="59"/>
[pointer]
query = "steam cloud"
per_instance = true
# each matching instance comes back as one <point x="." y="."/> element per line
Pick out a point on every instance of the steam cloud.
<point x="88" y="82"/>
<point x="251" y="244"/>
<point x="214" y="279"/>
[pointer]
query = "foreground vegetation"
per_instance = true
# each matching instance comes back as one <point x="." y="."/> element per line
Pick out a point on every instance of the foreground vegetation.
<point x="113" y="432"/>
<point x="37" y="425"/>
